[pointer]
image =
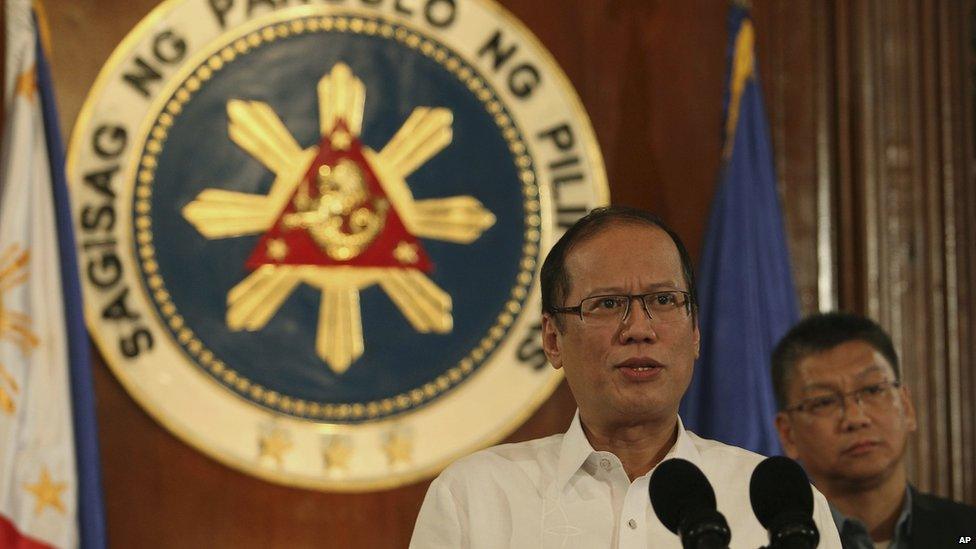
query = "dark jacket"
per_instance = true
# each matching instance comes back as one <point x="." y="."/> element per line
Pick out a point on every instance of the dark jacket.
<point x="938" y="522"/>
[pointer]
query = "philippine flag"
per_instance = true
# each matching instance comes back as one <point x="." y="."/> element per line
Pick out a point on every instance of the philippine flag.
<point x="50" y="492"/>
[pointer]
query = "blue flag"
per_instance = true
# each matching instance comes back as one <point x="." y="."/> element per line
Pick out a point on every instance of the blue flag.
<point x="746" y="295"/>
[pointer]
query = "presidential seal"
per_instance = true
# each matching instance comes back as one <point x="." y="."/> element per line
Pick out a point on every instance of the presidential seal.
<point x="310" y="235"/>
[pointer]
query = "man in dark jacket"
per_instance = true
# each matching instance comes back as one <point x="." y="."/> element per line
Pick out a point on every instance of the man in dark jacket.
<point x="846" y="416"/>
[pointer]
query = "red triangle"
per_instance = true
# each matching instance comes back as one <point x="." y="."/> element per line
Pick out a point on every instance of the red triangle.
<point x="290" y="240"/>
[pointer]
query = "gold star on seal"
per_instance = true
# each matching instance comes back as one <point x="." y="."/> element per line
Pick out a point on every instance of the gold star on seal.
<point x="398" y="448"/>
<point x="406" y="253"/>
<point x="277" y="249"/>
<point x="47" y="493"/>
<point x="341" y="141"/>
<point x="274" y="445"/>
<point x="337" y="454"/>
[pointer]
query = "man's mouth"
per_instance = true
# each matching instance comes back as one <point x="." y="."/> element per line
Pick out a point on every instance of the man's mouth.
<point x="640" y="368"/>
<point x="861" y="447"/>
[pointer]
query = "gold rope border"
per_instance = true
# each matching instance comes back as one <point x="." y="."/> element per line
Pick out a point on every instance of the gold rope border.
<point x="191" y="343"/>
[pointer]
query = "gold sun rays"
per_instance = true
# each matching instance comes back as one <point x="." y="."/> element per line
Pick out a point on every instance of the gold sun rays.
<point x="342" y="96"/>
<point x="340" y="310"/>
<point x="258" y="130"/>
<point x="426" y="132"/>
<point x="14" y="326"/>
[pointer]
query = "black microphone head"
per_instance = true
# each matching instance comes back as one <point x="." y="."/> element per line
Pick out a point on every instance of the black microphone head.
<point x="779" y="486"/>
<point x="678" y="488"/>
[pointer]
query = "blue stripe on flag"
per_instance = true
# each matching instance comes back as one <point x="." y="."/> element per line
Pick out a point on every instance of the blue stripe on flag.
<point x="91" y="513"/>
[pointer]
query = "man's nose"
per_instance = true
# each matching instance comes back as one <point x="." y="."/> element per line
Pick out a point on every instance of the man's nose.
<point x="853" y="413"/>
<point x="637" y="324"/>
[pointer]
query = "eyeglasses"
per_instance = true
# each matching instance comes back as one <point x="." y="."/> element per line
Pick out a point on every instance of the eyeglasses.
<point x="875" y="397"/>
<point x="661" y="307"/>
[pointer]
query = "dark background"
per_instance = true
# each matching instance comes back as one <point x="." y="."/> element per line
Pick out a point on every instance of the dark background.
<point x="871" y="110"/>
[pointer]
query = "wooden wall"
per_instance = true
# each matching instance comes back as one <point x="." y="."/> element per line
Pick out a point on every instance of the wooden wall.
<point x="871" y="107"/>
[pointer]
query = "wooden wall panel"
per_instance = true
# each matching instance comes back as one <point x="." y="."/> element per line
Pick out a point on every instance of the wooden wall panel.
<point x="958" y="74"/>
<point x="901" y="183"/>
<point x="871" y="117"/>
<point x="796" y="67"/>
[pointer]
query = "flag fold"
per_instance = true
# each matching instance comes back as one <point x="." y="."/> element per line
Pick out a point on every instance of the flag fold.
<point x="746" y="294"/>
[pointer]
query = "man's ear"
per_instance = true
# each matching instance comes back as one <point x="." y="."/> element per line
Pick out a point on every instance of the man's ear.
<point x="909" y="408"/>
<point x="784" y="426"/>
<point x="697" y="339"/>
<point x="551" y="343"/>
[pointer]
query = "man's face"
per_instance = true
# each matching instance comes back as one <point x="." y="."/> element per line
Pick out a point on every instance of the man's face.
<point x="630" y="371"/>
<point x="861" y="446"/>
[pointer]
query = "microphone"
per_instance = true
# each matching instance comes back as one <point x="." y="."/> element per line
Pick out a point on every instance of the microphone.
<point x="684" y="502"/>
<point x="783" y="502"/>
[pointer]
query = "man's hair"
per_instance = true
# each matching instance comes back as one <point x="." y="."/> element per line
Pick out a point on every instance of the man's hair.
<point x="821" y="332"/>
<point x="555" y="279"/>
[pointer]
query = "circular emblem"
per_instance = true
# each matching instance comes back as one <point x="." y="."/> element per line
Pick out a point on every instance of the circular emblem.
<point x="310" y="236"/>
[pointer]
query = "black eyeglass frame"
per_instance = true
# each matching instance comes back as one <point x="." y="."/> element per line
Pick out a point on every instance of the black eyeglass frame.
<point x="578" y="309"/>
<point x="856" y="394"/>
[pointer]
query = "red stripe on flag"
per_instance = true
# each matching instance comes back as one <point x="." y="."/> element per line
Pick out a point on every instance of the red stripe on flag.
<point x="11" y="538"/>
